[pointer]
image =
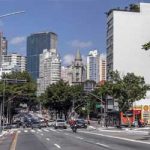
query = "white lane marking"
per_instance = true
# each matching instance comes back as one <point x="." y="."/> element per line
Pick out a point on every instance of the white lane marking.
<point x="60" y="130"/>
<point x="47" y="139"/>
<point x="57" y="146"/>
<point x="103" y="130"/>
<point x="45" y="130"/>
<point x="52" y="130"/>
<point x="116" y="137"/>
<point x="39" y="130"/>
<point x="32" y="130"/>
<point x="102" y="145"/>
<point x="25" y="131"/>
<point x="19" y="131"/>
<point x="79" y="137"/>
<point x="42" y="134"/>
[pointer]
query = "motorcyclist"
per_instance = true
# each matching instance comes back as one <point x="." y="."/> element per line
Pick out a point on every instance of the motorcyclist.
<point x="73" y="125"/>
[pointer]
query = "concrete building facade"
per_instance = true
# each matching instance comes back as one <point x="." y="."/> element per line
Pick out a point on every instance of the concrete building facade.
<point x="93" y="60"/>
<point x="127" y="31"/>
<point x="13" y="62"/>
<point x="49" y="71"/>
<point x="102" y="68"/>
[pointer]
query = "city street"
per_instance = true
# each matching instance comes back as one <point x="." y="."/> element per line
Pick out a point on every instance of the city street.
<point x="51" y="139"/>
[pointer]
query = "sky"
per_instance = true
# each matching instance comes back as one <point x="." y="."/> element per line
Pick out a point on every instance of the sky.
<point x="79" y="24"/>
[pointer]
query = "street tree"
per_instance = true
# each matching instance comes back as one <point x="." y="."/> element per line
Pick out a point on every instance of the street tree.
<point x="16" y="88"/>
<point x="124" y="89"/>
<point x="63" y="98"/>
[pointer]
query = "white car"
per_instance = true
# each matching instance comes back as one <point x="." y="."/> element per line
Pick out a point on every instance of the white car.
<point x="60" y="123"/>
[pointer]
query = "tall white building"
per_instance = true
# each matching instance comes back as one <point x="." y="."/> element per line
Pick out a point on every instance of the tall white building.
<point x="127" y="31"/>
<point x="66" y="74"/>
<point x="93" y="66"/>
<point x="49" y="71"/>
<point x="12" y="62"/>
<point x="102" y="68"/>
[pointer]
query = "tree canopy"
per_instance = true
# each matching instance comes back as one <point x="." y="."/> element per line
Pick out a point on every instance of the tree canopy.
<point x="146" y="46"/>
<point x="61" y="97"/>
<point x="18" y="87"/>
<point x="125" y="90"/>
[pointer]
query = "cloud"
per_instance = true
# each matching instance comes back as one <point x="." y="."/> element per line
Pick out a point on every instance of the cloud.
<point x="17" y="40"/>
<point x="68" y="59"/>
<point x="80" y="44"/>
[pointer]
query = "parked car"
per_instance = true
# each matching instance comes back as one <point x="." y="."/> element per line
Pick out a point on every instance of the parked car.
<point x="60" y="123"/>
<point x="81" y="123"/>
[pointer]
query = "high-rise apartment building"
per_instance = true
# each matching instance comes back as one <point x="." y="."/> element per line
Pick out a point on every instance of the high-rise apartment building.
<point x="49" y="70"/>
<point x="66" y="74"/>
<point x="127" y="31"/>
<point x="102" y="68"/>
<point x="35" y="44"/>
<point x="15" y="61"/>
<point x="93" y="66"/>
<point x="12" y="62"/>
<point x="3" y="47"/>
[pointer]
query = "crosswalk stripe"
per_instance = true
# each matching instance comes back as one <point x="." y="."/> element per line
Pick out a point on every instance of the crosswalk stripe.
<point x="32" y="130"/>
<point x="25" y="131"/>
<point x="45" y="130"/>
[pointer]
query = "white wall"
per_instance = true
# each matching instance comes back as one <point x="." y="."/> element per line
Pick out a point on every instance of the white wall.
<point x="131" y="31"/>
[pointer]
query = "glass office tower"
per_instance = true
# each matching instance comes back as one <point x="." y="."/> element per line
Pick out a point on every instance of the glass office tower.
<point x="36" y="43"/>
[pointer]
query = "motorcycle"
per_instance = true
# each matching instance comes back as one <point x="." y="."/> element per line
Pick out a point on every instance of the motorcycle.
<point x="74" y="128"/>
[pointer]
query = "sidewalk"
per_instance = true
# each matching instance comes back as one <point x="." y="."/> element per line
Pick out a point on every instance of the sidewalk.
<point x="134" y="130"/>
<point x="3" y="133"/>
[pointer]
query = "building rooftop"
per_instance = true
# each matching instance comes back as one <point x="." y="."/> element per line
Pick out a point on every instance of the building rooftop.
<point x="130" y="8"/>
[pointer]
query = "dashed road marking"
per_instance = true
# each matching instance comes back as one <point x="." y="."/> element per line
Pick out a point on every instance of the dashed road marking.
<point x="42" y="134"/>
<point x="19" y="131"/>
<point x="79" y="137"/>
<point x="57" y="146"/>
<point x="32" y="130"/>
<point x="45" y="130"/>
<point x="102" y="145"/>
<point x="47" y="139"/>
<point x="39" y="130"/>
<point x="25" y="131"/>
<point x="52" y="130"/>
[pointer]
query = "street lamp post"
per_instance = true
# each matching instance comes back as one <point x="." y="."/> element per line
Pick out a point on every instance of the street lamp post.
<point x="89" y="86"/>
<point x="2" y="104"/>
<point x="3" y="16"/>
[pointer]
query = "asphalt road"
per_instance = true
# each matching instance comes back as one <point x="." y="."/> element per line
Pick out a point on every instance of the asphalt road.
<point x="50" y="139"/>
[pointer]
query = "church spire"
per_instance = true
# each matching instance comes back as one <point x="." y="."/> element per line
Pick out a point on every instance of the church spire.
<point x="78" y="55"/>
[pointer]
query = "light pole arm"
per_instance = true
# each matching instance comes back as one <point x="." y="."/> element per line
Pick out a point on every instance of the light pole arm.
<point x="10" y="14"/>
